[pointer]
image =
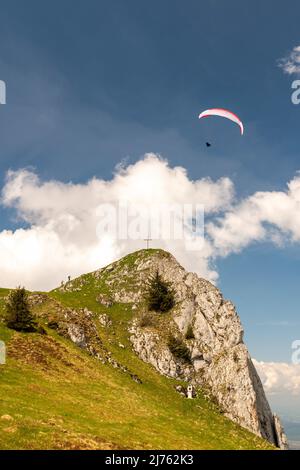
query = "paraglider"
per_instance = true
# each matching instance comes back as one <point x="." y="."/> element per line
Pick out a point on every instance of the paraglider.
<point x="223" y="113"/>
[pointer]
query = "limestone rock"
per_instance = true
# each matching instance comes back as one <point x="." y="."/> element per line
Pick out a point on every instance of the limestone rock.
<point x="104" y="300"/>
<point x="282" y="441"/>
<point x="104" y="320"/>
<point x="6" y="418"/>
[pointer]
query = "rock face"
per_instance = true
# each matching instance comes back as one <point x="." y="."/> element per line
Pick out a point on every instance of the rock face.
<point x="220" y="360"/>
<point x="280" y="434"/>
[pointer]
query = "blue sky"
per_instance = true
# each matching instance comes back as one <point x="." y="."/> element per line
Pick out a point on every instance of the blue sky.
<point x="92" y="83"/>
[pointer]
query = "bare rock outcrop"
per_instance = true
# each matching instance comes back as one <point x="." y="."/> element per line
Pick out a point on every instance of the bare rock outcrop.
<point x="280" y="434"/>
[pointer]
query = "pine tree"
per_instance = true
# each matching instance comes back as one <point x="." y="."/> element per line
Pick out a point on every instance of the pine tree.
<point x="178" y="348"/>
<point x="160" y="296"/>
<point x="18" y="314"/>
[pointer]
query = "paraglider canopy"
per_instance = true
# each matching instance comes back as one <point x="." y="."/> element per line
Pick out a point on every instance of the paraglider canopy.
<point x="223" y="113"/>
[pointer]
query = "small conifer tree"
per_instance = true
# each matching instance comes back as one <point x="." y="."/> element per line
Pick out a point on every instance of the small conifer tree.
<point x="178" y="348"/>
<point x="189" y="333"/>
<point x="18" y="314"/>
<point x="160" y="295"/>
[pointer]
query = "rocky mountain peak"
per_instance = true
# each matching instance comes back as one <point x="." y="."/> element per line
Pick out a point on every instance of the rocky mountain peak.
<point x="205" y="323"/>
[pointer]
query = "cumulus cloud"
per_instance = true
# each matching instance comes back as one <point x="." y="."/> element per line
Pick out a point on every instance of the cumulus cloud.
<point x="279" y="377"/>
<point x="265" y="215"/>
<point x="62" y="219"/>
<point x="291" y="63"/>
<point x="62" y="236"/>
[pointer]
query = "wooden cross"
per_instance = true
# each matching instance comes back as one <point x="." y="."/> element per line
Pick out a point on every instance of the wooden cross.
<point x="147" y="240"/>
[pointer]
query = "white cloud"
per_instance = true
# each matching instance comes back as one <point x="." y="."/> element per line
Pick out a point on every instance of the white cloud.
<point x="279" y="378"/>
<point x="291" y="63"/>
<point x="63" y="217"/>
<point x="265" y="215"/>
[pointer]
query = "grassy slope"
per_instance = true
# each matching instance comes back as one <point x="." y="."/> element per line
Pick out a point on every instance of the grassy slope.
<point x="57" y="396"/>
